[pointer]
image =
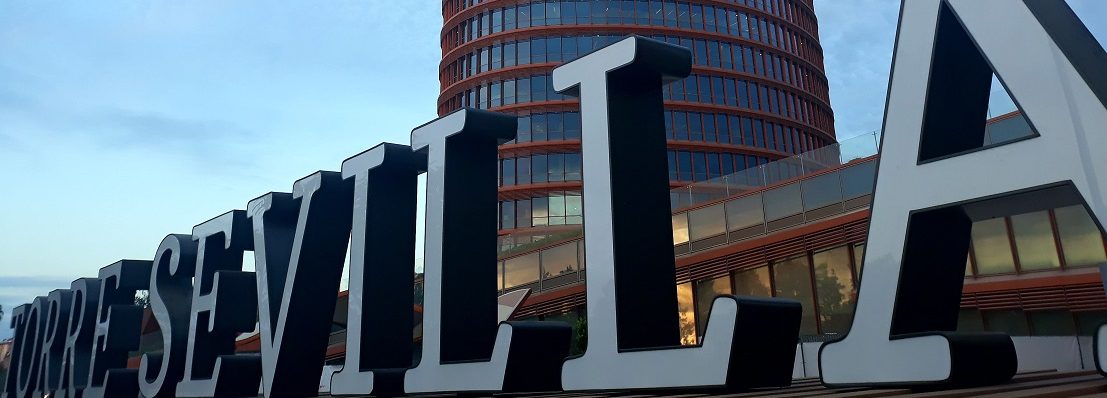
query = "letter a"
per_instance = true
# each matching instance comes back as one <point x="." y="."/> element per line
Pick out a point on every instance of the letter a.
<point x="936" y="176"/>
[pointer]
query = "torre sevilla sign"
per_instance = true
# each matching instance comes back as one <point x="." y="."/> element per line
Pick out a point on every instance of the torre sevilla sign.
<point x="935" y="177"/>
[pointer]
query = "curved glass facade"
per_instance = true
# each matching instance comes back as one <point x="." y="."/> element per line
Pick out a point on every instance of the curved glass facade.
<point x="757" y="92"/>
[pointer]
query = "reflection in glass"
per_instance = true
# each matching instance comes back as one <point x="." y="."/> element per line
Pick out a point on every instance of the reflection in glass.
<point x="744" y="212"/>
<point x="858" y="180"/>
<point x="822" y="191"/>
<point x="782" y="202"/>
<point x="858" y="259"/>
<point x="500" y="275"/>
<point x="706" y="222"/>
<point x="834" y="285"/>
<point x="1007" y="130"/>
<point x="706" y="291"/>
<point x="1052" y="323"/>
<point x="991" y="247"/>
<point x="1012" y="322"/>
<point x="970" y="320"/>
<point x="1080" y="238"/>
<point x="680" y="228"/>
<point x="573" y="210"/>
<point x="687" y="314"/>
<point x="753" y="282"/>
<point x="521" y="270"/>
<point x="793" y="280"/>
<point x="1034" y="241"/>
<point x="540" y="212"/>
<point x="559" y="260"/>
<point x="1087" y="322"/>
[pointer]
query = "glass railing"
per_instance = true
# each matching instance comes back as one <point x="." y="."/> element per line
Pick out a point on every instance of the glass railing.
<point x="828" y="192"/>
<point x="814" y="185"/>
<point x="776" y="172"/>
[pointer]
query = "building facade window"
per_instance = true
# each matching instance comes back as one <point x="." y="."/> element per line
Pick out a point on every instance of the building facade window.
<point x="753" y="282"/>
<point x="687" y="314"/>
<point x="792" y="279"/>
<point x="706" y="291"/>
<point x="992" y="247"/>
<point x="835" y="289"/>
<point x="1034" y="241"/>
<point x="1079" y="237"/>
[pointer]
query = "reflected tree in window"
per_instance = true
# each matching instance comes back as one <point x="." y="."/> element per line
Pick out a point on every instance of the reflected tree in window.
<point x="753" y="282"/>
<point x="834" y="285"/>
<point x="687" y="314"/>
<point x="793" y="280"/>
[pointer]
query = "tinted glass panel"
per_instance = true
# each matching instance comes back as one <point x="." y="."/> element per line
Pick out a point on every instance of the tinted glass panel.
<point x="1080" y="237"/>
<point x="991" y="247"/>
<point x="753" y="282"/>
<point x="1007" y="130"/>
<point x="680" y="228"/>
<point x="834" y="285"/>
<point x="687" y="314"/>
<point x="1087" y="322"/>
<point x="559" y="260"/>
<point x="706" y="222"/>
<point x="793" y="280"/>
<point x="521" y="270"/>
<point x="822" y="191"/>
<point x="1012" y="322"/>
<point x="782" y="202"/>
<point x="858" y="259"/>
<point x="706" y="291"/>
<point x="1034" y="240"/>
<point x="970" y="320"/>
<point x="744" y="212"/>
<point x="1052" y="323"/>
<point x="858" y="180"/>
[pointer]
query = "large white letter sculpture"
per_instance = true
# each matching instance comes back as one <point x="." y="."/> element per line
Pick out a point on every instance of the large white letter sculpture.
<point x="118" y="327"/>
<point x="936" y="177"/>
<point x="18" y="325"/>
<point x="463" y="347"/>
<point x="300" y="241"/>
<point x="170" y="301"/>
<point x="382" y="278"/>
<point x="224" y="303"/>
<point x="631" y="298"/>
<point x="31" y="350"/>
<point x="78" y="343"/>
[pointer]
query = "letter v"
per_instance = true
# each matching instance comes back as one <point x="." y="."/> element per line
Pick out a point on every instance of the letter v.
<point x="300" y="244"/>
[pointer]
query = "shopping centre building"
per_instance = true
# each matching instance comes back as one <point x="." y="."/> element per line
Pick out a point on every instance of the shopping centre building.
<point x="765" y="201"/>
<point x="797" y="227"/>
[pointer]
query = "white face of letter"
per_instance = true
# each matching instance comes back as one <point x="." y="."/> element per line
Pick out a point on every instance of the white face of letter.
<point x="224" y="304"/>
<point x="18" y="324"/>
<point x="463" y="347"/>
<point x="931" y="183"/>
<point x="299" y="249"/>
<point x="382" y="254"/>
<point x="632" y="312"/>
<point x="118" y="327"/>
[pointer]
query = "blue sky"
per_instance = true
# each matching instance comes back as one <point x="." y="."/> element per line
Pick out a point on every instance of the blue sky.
<point x="123" y="121"/>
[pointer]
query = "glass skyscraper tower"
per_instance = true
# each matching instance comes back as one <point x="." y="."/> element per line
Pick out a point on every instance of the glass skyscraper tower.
<point x="757" y="92"/>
